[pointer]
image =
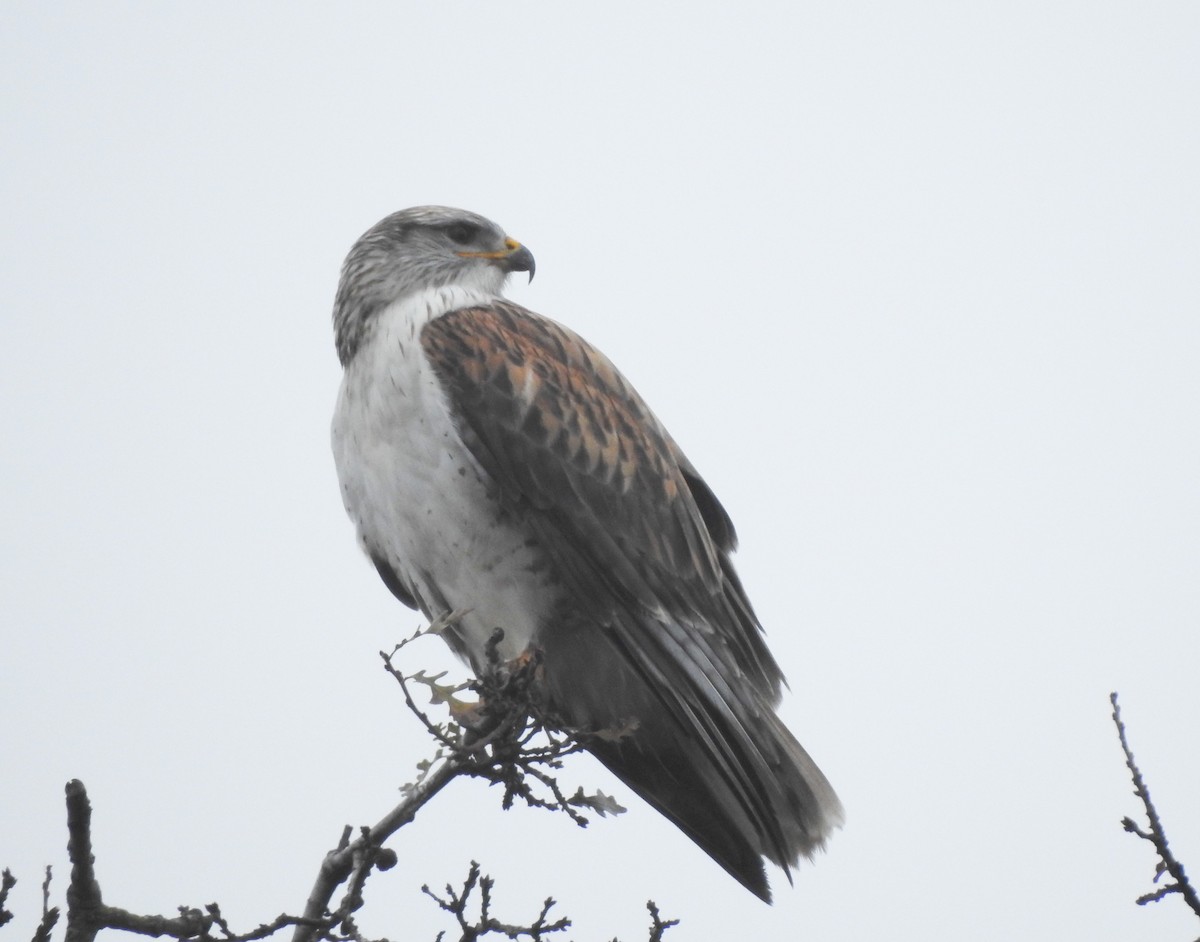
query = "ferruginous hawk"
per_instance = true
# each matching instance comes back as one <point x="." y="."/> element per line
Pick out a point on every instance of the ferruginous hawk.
<point x="495" y="462"/>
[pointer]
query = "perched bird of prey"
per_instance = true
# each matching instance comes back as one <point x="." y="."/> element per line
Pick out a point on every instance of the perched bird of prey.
<point x="495" y="462"/>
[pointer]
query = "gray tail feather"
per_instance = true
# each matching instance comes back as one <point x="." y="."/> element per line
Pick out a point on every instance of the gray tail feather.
<point x="680" y="779"/>
<point x="734" y="780"/>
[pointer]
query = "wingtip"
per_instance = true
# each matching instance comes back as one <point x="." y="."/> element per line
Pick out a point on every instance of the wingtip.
<point x="752" y="877"/>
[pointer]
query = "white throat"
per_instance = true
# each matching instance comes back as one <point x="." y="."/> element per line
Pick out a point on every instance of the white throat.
<point x="409" y="314"/>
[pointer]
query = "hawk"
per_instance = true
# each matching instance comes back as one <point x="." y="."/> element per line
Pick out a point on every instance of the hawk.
<point x="493" y="461"/>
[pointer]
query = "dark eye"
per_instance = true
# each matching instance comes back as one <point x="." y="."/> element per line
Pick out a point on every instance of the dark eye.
<point x="462" y="233"/>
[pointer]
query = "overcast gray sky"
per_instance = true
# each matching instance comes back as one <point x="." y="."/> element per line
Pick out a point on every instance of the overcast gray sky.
<point x="914" y="284"/>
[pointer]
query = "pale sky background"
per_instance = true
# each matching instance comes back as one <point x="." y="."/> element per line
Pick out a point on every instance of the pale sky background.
<point x="917" y="287"/>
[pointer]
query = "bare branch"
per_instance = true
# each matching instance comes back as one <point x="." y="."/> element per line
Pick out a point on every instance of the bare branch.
<point x="7" y="882"/>
<point x="83" y="894"/>
<point x="356" y="859"/>
<point x="1156" y="835"/>
<point x="49" y="914"/>
<point x="472" y="927"/>
<point x="87" y="914"/>
<point x="503" y="738"/>
<point x="457" y="902"/>
<point x="658" y="927"/>
<point x="496" y="747"/>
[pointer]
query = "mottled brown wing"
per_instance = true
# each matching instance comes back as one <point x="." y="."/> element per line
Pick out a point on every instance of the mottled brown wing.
<point x="655" y="627"/>
<point x="573" y="447"/>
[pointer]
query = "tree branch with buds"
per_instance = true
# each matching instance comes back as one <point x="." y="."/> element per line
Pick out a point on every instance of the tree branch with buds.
<point x="502" y="737"/>
<point x="1168" y="864"/>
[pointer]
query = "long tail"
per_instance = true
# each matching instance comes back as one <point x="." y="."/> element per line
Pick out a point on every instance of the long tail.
<point x="730" y="776"/>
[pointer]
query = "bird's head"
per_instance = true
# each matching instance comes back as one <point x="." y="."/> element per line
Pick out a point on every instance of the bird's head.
<point x="419" y="248"/>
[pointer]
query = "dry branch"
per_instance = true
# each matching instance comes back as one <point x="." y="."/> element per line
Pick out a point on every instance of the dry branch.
<point x="1156" y="835"/>
<point x="502" y="739"/>
<point x="7" y="882"/>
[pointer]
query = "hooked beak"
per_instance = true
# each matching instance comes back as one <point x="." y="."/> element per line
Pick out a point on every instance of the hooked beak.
<point x="513" y="257"/>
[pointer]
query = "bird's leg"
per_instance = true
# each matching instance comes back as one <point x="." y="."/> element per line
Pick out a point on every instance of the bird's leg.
<point x="506" y="692"/>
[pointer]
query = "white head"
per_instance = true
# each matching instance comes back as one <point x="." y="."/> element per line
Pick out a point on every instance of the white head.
<point x="415" y="249"/>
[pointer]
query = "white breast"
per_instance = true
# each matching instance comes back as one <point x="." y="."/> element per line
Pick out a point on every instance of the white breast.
<point x="417" y="496"/>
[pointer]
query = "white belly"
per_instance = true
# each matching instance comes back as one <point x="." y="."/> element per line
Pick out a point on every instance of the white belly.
<point x="418" y="498"/>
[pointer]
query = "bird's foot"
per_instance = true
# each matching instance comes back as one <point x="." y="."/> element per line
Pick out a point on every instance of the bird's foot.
<point x="507" y="694"/>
